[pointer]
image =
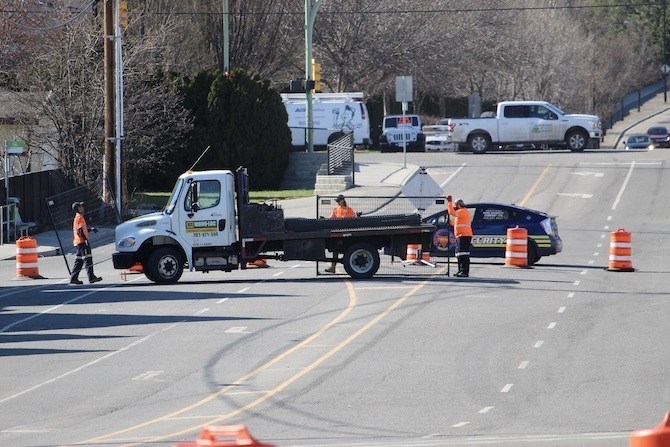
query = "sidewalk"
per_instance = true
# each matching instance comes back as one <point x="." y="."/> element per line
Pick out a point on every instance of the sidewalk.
<point x="371" y="180"/>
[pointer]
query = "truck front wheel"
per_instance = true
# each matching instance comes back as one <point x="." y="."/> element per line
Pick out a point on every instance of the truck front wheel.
<point x="577" y="140"/>
<point x="479" y="143"/>
<point x="164" y="266"/>
<point x="361" y="260"/>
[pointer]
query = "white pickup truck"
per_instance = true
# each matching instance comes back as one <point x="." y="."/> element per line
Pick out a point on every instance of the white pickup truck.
<point x="523" y="124"/>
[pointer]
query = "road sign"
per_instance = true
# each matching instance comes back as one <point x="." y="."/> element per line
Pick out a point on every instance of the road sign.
<point x="14" y="147"/>
<point x="665" y="68"/>
<point x="403" y="89"/>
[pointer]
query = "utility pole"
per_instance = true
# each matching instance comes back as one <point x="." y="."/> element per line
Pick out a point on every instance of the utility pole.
<point x="226" y="37"/>
<point x="108" y="144"/>
<point x="665" y="53"/>
<point x="311" y="7"/>
<point x="121" y="190"/>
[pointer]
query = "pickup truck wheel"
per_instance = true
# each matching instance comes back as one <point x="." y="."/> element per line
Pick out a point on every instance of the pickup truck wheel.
<point x="479" y="143"/>
<point x="165" y="266"/>
<point x="577" y="140"/>
<point x="361" y="260"/>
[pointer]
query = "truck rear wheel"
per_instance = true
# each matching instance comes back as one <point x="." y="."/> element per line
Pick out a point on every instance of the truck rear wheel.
<point x="479" y="143"/>
<point x="164" y="266"/>
<point x="361" y="260"/>
<point x="577" y="140"/>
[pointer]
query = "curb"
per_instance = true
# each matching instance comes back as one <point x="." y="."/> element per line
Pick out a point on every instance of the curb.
<point x="42" y="252"/>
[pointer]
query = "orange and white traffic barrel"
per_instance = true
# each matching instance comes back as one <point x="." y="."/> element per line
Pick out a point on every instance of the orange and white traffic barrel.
<point x="224" y="436"/>
<point x="516" y="250"/>
<point x="413" y="251"/>
<point x="658" y="436"/>
<point x="620" y="251"/>
<point x="26" y="257"/>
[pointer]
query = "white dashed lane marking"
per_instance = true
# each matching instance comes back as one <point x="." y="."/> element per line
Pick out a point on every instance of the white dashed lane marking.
<point x="506" y="388"/>
<point x="561" y="309"/>
<point x="486" y="410"/>
<point x="460" y="424"/>
<point x="552" y="325"/>
<point x="523" y="364"/>
<point x="538" y="344"/>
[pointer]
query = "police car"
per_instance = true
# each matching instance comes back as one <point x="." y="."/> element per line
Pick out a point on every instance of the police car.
<point x="490" y="222"/>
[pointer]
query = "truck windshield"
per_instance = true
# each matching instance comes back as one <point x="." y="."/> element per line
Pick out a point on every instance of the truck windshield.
<point x="555" y="109"/>
<point x="172" y="201"/>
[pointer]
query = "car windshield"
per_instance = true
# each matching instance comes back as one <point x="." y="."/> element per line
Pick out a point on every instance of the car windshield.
<point x="639" y="139"/>
<point x="657" y="131"/>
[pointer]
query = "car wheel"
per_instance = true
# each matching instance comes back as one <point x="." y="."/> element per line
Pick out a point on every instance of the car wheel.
<point x="479" y="143"/>
<point x="361" y="260"/>
<point x="577" y="140"/>
<point x="532" y="252"/>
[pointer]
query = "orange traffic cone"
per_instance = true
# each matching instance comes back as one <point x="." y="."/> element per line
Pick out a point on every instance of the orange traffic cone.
<point x="658" y="436"/>
<point x="224" y="436"/>
<point x="259" y="263"/>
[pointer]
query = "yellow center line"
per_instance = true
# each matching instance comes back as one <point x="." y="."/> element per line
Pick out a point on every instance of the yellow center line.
<point x="534" y="187"/>
<point x="270" y="393"/>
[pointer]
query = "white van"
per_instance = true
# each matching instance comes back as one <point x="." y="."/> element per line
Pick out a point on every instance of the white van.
<point x="334" y="115"/>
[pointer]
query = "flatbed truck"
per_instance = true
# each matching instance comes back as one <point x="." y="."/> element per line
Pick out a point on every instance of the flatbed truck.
<point x="209" y="224"/>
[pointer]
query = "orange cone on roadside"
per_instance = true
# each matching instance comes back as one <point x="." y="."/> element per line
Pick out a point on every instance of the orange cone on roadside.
<point x="224" y="436"/>
<point x="658" y="436"/>
<point x="620" y="252"/>
<point x="260" y="263"/>
<point x="516" y="250"/>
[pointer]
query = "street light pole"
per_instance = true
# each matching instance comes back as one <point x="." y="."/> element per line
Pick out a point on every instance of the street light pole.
<point x="311" y="7"/>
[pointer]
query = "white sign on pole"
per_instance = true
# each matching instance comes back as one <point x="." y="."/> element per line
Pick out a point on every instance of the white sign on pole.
<point x="403" y="89"/>
<point x="665" y="68"/>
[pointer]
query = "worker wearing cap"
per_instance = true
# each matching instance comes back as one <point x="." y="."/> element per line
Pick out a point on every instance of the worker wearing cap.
<point x="341" y="211"/>
<point x="463" y="233"/>
<point x="80" y="241"/>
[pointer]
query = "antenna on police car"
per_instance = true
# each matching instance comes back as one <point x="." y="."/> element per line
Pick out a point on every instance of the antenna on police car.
<point x="201" y="155"/>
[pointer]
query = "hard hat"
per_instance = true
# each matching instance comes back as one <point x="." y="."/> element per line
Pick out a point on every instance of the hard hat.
<point x="460" y="202"/>
<point x="339" y="198"/>
<point x="76" y="205"/>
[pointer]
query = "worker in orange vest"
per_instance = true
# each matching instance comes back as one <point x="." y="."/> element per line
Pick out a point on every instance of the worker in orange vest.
<point x="463" y="233"/>
<point x="341" y="211"/>
<point x="80" y="240"/>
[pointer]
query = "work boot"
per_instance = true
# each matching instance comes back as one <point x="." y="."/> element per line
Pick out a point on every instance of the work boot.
<point x="95" y="279"/>
<point x="75" y="282"/>
<point x="330" y="270"/>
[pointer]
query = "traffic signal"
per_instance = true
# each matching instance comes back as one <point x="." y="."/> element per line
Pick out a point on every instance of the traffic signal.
<point x="316" y="75"/>
<point x="123" y="14"/>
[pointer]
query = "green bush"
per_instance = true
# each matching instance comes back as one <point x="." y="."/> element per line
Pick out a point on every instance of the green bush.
<point x="243" y="121"/>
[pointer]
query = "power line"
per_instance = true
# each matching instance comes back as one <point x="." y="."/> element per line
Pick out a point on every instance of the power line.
<point x="370" y="11"/>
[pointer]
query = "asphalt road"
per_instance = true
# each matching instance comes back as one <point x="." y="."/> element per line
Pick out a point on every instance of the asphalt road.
<point x="565" y="353"/>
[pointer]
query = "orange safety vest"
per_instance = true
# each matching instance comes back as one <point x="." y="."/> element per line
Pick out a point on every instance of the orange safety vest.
<point x="341" y="212"/>
<point x="462" y="220"/>
<point x="79" y="222"/>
